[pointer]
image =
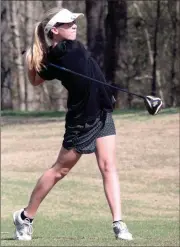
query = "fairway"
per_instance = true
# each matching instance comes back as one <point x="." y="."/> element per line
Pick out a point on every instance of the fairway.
<point x="76" y="213"/>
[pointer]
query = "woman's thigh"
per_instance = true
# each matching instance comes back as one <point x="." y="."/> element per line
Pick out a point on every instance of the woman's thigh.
<point x="106" y="151"/>
<point x="66" y="159"/>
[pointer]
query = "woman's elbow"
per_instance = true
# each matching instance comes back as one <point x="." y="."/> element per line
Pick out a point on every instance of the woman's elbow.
<point x="37" y="81"/>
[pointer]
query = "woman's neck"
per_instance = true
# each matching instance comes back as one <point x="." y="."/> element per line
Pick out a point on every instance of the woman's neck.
<point x="55" y="42"/>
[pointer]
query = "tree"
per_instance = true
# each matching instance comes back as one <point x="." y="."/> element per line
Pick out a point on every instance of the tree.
<point x="17" y="54"/>
<point x="116" y="37"/>
<point x="152" y="52"/>
<point x="155" y="49"/>
<point x="6" y="58"/>
<point x="95" y="14"/>
<point x="173" y="8"/>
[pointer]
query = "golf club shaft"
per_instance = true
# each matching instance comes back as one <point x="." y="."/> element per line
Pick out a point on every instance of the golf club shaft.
<point x="89" y="78"/>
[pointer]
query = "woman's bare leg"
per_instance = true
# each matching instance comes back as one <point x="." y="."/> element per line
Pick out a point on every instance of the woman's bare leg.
<point x="105" y="155"/>
<point x="65" y="161"/>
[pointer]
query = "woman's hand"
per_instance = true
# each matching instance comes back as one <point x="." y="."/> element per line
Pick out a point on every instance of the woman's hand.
<point x="34" y="78"/>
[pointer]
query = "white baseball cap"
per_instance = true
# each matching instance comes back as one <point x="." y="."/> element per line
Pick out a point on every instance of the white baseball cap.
<point x="63" y="16"/>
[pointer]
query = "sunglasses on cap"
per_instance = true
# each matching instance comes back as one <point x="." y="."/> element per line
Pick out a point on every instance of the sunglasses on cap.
<point x="58" y="24"/>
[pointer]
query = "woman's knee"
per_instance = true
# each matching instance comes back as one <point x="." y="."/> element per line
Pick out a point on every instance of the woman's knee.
<point x="60" y="171"/>
<point x="65" y="162"/>
<point x="107" y="166"/>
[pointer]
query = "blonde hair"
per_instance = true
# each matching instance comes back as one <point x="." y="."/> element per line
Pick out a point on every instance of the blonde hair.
<point x="36" y="54"/>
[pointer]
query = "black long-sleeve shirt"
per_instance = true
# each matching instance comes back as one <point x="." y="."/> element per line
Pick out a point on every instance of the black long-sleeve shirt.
<point x="86" y="99"/>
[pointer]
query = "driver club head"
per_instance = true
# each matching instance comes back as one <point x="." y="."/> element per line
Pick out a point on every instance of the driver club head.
<point x="153" y="104"/>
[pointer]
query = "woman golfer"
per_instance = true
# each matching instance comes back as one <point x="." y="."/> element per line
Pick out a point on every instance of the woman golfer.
<point x="89" y="125"/>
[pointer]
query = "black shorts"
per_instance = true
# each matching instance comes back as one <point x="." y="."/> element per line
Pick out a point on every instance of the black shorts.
<point x="82" y="138"/>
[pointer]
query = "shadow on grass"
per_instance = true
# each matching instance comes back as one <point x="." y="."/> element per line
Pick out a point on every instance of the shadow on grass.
<point x="10" y="238"/>
<point x="58" y="238"/>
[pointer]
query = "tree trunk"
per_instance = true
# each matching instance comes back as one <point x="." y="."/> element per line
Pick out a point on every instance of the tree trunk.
<point x="59" y="4"/>
<point x="6" y="93"/>
<point x="178" y="52"/>
<point x="13" y="82"/>
<point x="17" y="55"/>
<point x="95" y="13"/>
<point x="51" y="4"/>
<point x="151" y="59"/>
<point x="116" y="33"/>
<point x="155" y="50"/>
<point x="174" y="48"/>
<point x="29" y="89"/>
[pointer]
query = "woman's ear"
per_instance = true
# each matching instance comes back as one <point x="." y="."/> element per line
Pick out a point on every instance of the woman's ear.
<point x="54" y="30"/>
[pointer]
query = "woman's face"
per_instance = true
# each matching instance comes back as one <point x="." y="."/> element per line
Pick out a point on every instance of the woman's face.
<point x="65" y="31"/>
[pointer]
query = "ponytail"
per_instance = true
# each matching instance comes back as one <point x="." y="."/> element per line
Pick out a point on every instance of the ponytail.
<point x="36" y="54"/>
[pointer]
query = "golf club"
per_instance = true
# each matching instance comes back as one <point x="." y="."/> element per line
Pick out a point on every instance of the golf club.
<point x="153" y="104"/>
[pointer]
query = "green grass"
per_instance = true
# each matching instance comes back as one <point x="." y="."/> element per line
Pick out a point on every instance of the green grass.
<point x="129" y="112"/>
<point x="76" y="213"/>
<point x="32" y="114"/>
<point x="64" y="231"/>
<point x="80" y="224"/>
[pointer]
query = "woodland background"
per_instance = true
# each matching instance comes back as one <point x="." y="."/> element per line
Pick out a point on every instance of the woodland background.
<point x="136" y="43"/>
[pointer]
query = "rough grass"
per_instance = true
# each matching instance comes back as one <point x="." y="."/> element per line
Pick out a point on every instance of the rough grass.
<point x="75" y="213"/>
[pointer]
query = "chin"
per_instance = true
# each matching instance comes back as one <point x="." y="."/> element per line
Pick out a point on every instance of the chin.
<point x="72" y="38"/>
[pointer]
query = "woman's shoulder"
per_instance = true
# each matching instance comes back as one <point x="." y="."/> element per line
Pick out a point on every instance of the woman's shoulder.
<point x="74" y="44"/>
<point x="66" y="46"/>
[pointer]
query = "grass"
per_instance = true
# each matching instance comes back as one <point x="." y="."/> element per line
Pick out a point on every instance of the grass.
<point x="61" y="114"/>
<point x="94" y="233"/>
<point x="76" y="213"/>
<point x="33" y="114"/>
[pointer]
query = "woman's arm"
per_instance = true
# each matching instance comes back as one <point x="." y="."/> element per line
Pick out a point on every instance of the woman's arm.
<point x="34" y="78"/>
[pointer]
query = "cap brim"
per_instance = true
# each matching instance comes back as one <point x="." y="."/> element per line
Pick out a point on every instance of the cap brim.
<point x="62" y="17"/>
<point x="75" y="16"/>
